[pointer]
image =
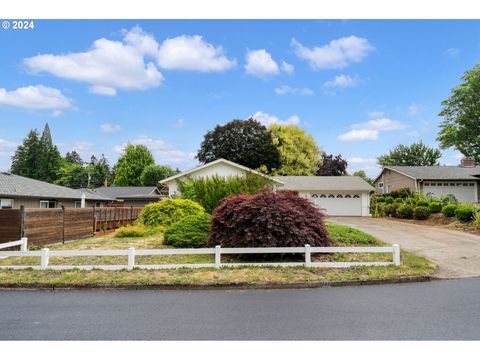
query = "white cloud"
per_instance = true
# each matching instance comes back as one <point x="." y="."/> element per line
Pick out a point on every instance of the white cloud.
<point x="415" y="109"/>
<point x="180" y="123"/>
<point x="382" y="124"/>
<point x="359" y="135"/>
<point x="287" y="68"/>
<point x="164" y="153"/>
<point x="369" y="165"/>
<point x="107" y="66"/>
<point x="84" y="148"/>
<point x="342" y="81"/>
<point x="284" y="89"/>
<point x="376" y="114"/>
<point x="37" y="97"/>
<point x="103" y="90"/>
<point x="192" y="53"/>
<point x="452" y="52"/>
<point x="110" y="128"/>
<point x="336" y="54"/>
<point x="259" y="63"/>
<point x="267" y="119"/>
<point x="7" y="149"/>
<point x="370" y="130"/>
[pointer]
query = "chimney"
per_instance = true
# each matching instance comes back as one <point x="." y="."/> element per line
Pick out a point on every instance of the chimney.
<point x="105" y="183"/>
<point x="467" y="162"/>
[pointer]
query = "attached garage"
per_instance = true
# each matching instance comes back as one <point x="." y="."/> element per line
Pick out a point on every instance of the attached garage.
<point x="464" y="191"/>
<point x="335" y="195"/>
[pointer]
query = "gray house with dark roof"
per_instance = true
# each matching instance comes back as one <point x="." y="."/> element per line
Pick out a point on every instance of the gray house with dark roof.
<point x="136" y="196"/>
<point x="16" y="191"/>
<point x="462" y="181"/>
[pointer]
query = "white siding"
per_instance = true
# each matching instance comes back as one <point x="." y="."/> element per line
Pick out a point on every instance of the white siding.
<point x="220" y="169"/>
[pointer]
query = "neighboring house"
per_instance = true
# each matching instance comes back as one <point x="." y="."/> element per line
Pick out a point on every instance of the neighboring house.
<point x="462" y="181"/>
<point x="16" y="191"/>
<point x="336" y="195"/>
<point x="136" y="196"/>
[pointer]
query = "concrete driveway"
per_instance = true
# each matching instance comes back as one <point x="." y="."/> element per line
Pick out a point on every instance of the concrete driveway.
<point x="456" y="253"/>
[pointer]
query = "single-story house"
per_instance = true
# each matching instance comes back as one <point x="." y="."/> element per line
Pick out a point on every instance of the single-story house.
<point x="136" y="196"/>
<point x="462" y="181"/>
<point x="16" y="191"/>
<point x="336" y="195"/>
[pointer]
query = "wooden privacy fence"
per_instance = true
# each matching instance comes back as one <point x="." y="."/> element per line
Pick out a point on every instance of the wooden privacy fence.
<point x="49" y="226"/>
<point x="217" y="251"/>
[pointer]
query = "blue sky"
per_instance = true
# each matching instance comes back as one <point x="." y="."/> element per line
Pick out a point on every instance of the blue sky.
<point x="358" y="87"/>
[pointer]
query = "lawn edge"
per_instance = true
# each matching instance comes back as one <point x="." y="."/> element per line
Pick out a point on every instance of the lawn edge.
<point x="226" y="286"/>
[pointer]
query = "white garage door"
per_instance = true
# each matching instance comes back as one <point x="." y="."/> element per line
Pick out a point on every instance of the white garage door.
<point x="339" y="204"/>
<point x="463" y="191"/>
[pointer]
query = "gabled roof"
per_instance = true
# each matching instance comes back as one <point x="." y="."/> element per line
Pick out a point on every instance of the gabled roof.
<point x="324" y="183"/>
<point x="440" y="172"/>
<point x="129" y="192"/>
<point x="224" y="161"/>
<point x="20" y="186"/>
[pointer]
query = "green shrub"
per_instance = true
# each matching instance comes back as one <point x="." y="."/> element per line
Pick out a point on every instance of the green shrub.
<point x="422" y="203"/>
<point x="398" y="201"/>
<point x="189" y="232"/>
<point x="137" y="231"/>
<point x="411" y="201"/>
<point x="421" y="212"/>
<point x="380" y="210"/>
<point x="209" y="192"/>
<point x="380" y="199"/>
<point x="464" y="212"/>
<point x="449" y="210"/>
<point x="389" y="200"/>
<point x="405" y="211"/>
<point x="390" y="209"/>
<point x="168" y="211"/>
<point x="435" y="207"/>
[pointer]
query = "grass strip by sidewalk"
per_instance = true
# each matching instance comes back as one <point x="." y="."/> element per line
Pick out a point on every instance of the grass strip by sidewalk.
<point x="341" y="235"/>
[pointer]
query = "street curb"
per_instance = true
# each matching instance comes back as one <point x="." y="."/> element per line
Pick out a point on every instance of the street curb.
<point x="227" y="286"/>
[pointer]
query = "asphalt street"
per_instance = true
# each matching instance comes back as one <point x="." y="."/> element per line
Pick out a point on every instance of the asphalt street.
<point x="446" y="309"/>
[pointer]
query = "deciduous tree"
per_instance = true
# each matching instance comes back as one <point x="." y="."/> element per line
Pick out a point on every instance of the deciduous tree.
<point x="416" y="154"/>
<point x="129" y="167"/>
<point x="332" y="166"/>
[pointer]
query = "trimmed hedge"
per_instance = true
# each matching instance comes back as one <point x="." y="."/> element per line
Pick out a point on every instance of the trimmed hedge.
<point x="421" y="212"/>
<point x="168" y="211"/>
<point x="390" y="209"/>
<point x="389" y="200"/>
<point x="267" y="219"/>
<point x="189" y="232"/>
<point x="422" y="203"/>
<point x="435" y="207"/>
<point x="137" y="231"/>
<point x="398" y="201"/>
<point x="449" y="210"/>
<point x="465" y="212"/>
<point x="405" y="211"/>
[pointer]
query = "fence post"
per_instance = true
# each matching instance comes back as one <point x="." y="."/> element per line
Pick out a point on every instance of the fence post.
<point x="396" y="254"/>
<point x="63" y="224"/>
<point x="44" y="259"/>
<point x="308" y="256"/>
<point x="22" y="221"/>
<point x="131" y="258"/>
<point x="218" y="259"/>
<point x="94" y="218"/>
<point x="24" y="246"/>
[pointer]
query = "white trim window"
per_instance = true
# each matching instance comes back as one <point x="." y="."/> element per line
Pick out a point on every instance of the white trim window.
<point x="6" y="203"/>
<point x="380" y="185"/>
<point x="48" y="204"/>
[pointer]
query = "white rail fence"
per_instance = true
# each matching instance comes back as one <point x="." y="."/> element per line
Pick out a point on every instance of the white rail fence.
<point x="22" y="242"/>
<point x="45" y="255"/>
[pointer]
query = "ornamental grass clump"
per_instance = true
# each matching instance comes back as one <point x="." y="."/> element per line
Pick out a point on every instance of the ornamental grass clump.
<point x="267" y="219"/>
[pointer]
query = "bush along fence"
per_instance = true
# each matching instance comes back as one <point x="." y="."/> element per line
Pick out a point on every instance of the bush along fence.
<point x="49" y="226"/>
<point x="45" y="255"/>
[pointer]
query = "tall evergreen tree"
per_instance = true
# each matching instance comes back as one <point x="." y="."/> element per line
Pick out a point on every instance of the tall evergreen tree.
<point x="25" y="161"/>
<point x="73" y="157"/>
<point x="99" y="171"/>
<point x="49" y="158"/>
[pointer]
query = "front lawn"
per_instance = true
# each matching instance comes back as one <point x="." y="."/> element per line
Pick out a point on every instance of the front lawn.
<point x="341" y="235"/>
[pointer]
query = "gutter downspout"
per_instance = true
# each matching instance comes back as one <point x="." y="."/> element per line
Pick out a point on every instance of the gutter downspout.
<point x="417" y="185"/>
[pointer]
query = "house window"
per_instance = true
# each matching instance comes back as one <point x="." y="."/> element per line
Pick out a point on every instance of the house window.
<point x="314" y="196"/>
<point x="388" y="188"/>
<point x="380" y="185"/>
<point x="340" y="196"/>
<point x="470" y="184"/>
<point x="78" y="204"/>
<point x="323" y="196"/>
<point x="6" y="203"/>
<point x="452" y="184"/>
<point x="48" y="204"/>
<point x="432" y="184"/>
<point x="427" y="184"/>
<point x="465" y="184"/>
<point x="331" y="196"/>
<point x="348" y="196"/>
<point x="439" y="184"/>
<point x="356" y="196"/>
